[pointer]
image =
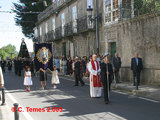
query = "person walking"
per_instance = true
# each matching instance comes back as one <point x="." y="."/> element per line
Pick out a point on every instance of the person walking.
<point x="3" y="65"/>
<point x="64" y="66"/>
<point x="57" y="63"/>
<point x="43" y="78"/>
<point x="55" y="77"/>
<point x="116" y="66"/>
<point x="19" y="65"/>
<point x="106" y="78"/>
<point x="27" y="78"/>
<point x="9" y="65"/>
<point x="95" y="82"/>
<point x="69" y="66"/>
<point x="77" y="73"/>
<point x="1" y="80"/>
<point x="136" y="67"/>
<point x="84" y="62"/>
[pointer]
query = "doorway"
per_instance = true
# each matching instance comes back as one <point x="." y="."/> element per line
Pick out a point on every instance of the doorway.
<point x="64" y="49"/>
<point x="113" y="49"/>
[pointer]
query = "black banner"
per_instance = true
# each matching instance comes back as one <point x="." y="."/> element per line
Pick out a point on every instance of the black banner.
<point x="43" y="56"/>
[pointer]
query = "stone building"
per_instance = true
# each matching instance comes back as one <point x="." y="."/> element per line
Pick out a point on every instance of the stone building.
<point x="128" y="34"/>
<point x="67" y="25"/>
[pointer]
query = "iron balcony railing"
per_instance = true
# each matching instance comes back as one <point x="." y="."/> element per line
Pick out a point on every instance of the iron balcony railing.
<point x="68" y="29"/>
<point x="53" y="8"/>
<point x="50" y="36"/>
<point x="84" y="24"/>
<point x="58" y="33"/>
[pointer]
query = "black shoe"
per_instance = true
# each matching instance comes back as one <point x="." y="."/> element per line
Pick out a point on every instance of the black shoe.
<point x="75" y="85"/>
<point x="106" y="102"/>
<point x="82" y="84"/>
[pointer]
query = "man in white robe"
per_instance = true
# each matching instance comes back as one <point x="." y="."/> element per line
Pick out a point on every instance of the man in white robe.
<point x="95" y="83"/>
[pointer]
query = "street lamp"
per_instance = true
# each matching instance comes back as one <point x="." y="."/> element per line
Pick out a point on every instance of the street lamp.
<point x="97" y="19"/>
<point x="89" y="12"/>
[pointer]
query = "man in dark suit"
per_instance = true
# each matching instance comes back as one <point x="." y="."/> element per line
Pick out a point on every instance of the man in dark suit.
<point x="77" y="71"/>
<point x="136" y="67"/>
<point x="19" y="65"/>
<point x="106" y="70"/>
<point x="3" y="64"/>
<point x="116" y="66"/>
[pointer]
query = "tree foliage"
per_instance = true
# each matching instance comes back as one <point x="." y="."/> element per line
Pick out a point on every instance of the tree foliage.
<point x="146" y="6"/>
<point x="27" y="20"/>
<point x="5" y="52"/>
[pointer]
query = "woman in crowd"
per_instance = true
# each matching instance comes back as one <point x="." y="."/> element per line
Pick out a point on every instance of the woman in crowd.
<point x="64" y="66"/>
<point x="43" y="78"/>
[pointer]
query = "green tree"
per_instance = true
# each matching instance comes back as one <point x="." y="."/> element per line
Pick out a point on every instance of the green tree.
<point x="146" y="6"/>
<point x="27" y="20"/>
<point x="8" y="52"/>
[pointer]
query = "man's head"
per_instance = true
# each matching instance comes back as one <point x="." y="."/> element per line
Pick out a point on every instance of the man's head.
<point x="76" y="59"/>
<point x="136" y="55"/>
<point x="105" y="59"/>
<point x="94" y="57"/>
<point x="116" y="54"/>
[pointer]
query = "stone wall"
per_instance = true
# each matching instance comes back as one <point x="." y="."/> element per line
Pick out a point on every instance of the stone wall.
<point x="83" y="44"/>
<point x="140" y="35"/>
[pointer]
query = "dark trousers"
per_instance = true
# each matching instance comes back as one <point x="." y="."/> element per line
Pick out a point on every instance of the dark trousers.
<point x="19" y="71"/>
<point x="16" y="70"/>
<point x="78" y="78"/>
<point x="136" y="76"/>
<point x="105" y="90"/>
<point x="117" y="76"/>
<point x="3" y="69"/>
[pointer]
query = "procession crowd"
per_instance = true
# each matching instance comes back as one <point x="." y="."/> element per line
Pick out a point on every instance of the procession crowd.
<point x="98" y="69"/>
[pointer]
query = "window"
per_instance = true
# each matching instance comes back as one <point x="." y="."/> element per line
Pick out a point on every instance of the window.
<point x="46" y="27"/>
<point x="53" y="24"/>
<point x="111" y="10"/>
<point x="74" y="13"/>
<point x="63" y="19"/>
<point x="89" y="3"/>
<point x="40" y="30"/>
<point x="127" y="9"/>
<point x="35" y="32"/>
<point x="63" y="23"/>
<point x="74" y="17"/>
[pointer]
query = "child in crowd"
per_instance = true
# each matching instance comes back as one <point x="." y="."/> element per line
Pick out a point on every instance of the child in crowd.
<point x="55" y="78"/>
<point x="27" y="78"/>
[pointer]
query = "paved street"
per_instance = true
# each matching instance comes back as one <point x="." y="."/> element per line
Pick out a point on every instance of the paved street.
<point x="76" y="102"/>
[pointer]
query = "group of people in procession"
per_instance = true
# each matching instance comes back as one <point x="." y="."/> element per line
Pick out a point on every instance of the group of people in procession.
<point x="99" y="70"/>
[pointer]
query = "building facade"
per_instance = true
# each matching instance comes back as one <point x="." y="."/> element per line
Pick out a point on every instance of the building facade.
<point x="66" y="24"/>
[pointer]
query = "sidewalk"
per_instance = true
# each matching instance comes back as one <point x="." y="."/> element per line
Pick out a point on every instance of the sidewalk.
<point x="5" y="112"/>
<point x="152" y="92"/>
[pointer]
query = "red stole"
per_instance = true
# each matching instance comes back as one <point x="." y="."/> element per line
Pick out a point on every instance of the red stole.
<point x="96" y="78"/>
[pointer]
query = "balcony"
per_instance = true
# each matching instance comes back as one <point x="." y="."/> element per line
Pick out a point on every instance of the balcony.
<point x="52" y="9"/>
<point x="50" y="36"/>
<point x="68" y="29"/>
<point x="58" y="33"/>
<point x="83" y="24"/>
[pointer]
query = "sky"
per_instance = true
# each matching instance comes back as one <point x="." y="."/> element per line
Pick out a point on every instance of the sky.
<point x="9" y="32"/>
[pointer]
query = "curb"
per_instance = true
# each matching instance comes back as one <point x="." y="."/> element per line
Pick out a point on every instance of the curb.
<point x="141" y="92"/>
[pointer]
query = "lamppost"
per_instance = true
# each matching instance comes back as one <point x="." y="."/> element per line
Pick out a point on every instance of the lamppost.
<point x="96" y="19"/>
